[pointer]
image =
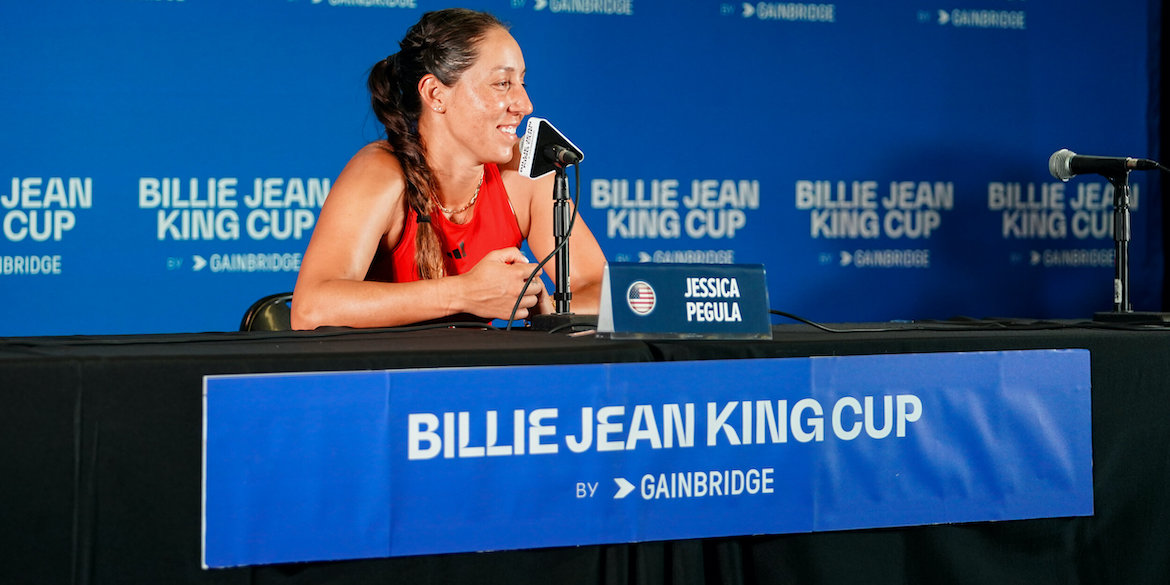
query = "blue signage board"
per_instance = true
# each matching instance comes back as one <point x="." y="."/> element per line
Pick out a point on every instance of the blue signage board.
<point x="727" y="301"/>
<point x="325" y="466"/>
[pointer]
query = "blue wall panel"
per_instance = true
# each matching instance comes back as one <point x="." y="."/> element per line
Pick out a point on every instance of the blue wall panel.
<point x="714" y="131"/>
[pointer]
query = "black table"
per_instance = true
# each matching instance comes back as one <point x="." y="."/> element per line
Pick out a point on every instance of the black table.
<point x="100" y="448"/>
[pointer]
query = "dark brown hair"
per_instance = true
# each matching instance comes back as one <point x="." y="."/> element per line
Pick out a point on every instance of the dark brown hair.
<point x="443" y="43"/>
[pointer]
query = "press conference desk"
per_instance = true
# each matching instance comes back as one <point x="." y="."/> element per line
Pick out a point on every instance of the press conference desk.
<point x="100" y="449"/>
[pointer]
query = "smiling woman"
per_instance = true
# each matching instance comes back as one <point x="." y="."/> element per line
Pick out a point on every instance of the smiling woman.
<point x="427" y="223"/>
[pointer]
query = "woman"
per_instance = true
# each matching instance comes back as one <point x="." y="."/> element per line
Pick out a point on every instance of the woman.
<point x="427" y="223"/>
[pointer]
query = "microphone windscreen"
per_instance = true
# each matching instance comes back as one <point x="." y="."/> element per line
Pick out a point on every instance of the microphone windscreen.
<point x="539" y="137"/>
<point x="1059" y="164"/>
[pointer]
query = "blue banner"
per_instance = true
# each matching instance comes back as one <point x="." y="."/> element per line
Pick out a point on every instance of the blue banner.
<point x="164" y="161"/>
<point x="302" y="467"/>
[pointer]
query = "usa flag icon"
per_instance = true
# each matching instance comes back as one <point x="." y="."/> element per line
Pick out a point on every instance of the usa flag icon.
<point x="640" y="297"/>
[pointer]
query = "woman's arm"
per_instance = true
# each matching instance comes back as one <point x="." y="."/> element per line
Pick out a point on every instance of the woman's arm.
<point x="365" y="206"/>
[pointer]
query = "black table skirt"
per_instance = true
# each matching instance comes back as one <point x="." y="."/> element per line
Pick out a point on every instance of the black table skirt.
<point x="100" y="453"/>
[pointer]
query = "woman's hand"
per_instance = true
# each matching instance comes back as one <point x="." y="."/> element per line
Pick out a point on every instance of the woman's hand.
<point x="491" y="287"/>
<point x="544" y="304"/>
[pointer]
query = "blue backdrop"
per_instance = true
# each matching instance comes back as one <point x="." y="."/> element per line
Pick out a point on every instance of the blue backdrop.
<point x="163" y="161"/>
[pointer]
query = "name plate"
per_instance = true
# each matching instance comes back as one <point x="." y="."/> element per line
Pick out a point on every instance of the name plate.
<point x="684" y="301"/>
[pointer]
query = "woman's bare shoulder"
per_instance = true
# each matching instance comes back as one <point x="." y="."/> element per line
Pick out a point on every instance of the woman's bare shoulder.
<point x="373" y="171"/>
<point x="375" y="157"/>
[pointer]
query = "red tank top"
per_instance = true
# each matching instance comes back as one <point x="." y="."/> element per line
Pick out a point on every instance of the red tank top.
<point x="492" y="226"/>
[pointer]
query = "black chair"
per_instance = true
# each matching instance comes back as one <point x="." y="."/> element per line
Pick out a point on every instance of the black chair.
<point x="271" y="313"/>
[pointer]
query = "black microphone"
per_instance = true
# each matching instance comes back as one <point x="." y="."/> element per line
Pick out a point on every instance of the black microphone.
<point x="1064" y="164"/>
<point x="561" y="155"/>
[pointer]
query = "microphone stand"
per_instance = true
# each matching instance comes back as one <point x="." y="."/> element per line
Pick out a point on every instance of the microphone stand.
<point x="561" y="217"/>
<point x="1122" y="310"/>
<point x="563" y="317"/>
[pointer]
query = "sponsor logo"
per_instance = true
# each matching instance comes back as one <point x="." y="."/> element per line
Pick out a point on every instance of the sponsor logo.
<point x="858" y="210"/>
<point x="663" y="209"/>
<point x="786" y="11"/>
<point x="1080" y="258"/>
<point x="603" y="7"/>
<point x="30" y="265"/>
<point x="40" y="209"/>
<point x="221" y="209"/>
<point x="1054" y="211"/>
<point x="459" y="253"/>
<point x="683" y="257"/>
<point x="240" y="262"/>
<point x="994" y="19"/>
<point x="919" y="258"/>
<point x="366" y="3"/>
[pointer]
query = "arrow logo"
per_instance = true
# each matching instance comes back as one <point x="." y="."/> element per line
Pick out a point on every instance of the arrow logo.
<point x="540" y="4"/>
<point x="624" y="488"/>
<point x="846" y="258"/>
<point x="943" y="17"/>
<point x="1036" y="257"/>
<point x="748" y="10"/>
<point x="199" y="263"/>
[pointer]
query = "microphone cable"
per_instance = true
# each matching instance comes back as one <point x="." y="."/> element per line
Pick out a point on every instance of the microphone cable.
<point x="961" y="324"/>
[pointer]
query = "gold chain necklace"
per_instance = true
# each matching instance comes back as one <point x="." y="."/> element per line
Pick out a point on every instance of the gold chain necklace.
<point x="467" y="206"/>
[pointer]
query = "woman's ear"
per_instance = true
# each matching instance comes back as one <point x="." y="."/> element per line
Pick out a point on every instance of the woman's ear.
<point x="433" y="93"/>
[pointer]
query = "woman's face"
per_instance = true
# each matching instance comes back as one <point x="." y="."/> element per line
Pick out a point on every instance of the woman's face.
<point x="489" y="101"/>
